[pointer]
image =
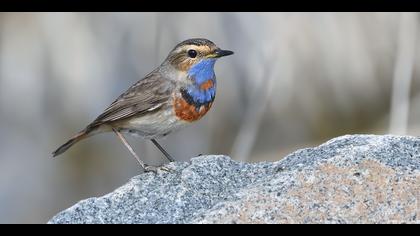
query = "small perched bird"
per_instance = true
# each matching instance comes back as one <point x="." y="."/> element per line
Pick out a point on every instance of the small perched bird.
<point x="180" y="91"/>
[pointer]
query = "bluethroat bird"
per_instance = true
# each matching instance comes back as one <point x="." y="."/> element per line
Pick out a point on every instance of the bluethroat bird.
<point x="180" y="91"/>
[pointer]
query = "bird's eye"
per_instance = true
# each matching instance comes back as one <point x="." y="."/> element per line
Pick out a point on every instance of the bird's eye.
<point x="192" y="53"/>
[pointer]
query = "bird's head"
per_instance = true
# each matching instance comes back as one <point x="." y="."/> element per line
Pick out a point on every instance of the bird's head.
<point x="197" y="51"/>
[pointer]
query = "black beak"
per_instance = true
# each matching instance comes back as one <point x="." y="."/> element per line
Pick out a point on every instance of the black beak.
<point x="222" y="53"/>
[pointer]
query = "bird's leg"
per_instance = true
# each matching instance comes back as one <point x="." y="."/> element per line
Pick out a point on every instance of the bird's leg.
<point x="171" y="159"/>
<point x="146" y="167"/>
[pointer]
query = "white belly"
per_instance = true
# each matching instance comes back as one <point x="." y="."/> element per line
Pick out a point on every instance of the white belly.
<point x="154" y="125"/>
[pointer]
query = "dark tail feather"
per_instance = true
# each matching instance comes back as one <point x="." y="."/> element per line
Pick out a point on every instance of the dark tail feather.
<point x="82" y="135"/>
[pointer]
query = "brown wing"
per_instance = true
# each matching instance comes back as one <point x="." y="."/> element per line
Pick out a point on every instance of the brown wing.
<point x="148" y="94"/>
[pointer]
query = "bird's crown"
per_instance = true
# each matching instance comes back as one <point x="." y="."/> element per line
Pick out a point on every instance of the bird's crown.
<point x="192" y="51"/>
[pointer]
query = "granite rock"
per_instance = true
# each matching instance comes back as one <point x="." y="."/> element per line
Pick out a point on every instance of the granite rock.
<point x="350" y="179"/>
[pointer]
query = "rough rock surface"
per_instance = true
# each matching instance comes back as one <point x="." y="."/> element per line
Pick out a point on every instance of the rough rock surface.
<point x="350" y="179"/>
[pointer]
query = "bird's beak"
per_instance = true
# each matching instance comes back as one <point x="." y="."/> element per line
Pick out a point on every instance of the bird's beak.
<point x="220" y="53"/>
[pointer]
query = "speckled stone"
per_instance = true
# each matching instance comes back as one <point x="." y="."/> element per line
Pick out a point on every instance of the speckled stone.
<point x="350" y="179"/>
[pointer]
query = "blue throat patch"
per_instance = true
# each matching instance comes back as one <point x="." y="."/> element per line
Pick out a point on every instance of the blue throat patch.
<point x="200" y="73"/>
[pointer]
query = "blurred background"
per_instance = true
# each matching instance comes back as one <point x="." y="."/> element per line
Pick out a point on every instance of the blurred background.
<point x="295" y="81"/>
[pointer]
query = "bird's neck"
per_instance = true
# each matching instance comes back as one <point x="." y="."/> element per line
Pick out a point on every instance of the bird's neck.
<point x="203" y="88"/>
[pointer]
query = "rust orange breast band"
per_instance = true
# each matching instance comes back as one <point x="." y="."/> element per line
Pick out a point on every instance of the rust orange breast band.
<point x="187" y="112"/>
<point x="207" y="85"/>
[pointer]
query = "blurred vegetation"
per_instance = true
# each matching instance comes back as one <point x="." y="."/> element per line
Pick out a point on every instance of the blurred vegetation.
<point x="296" y="80"/>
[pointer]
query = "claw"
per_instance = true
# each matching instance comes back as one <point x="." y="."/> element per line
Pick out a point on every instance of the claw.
<point x="163" y="168"/>
<point x="150" y="169"/>
<point x="155" y="169"/>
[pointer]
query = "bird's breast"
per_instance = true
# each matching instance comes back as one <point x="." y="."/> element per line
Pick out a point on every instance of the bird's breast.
<point x="193" y="102"/>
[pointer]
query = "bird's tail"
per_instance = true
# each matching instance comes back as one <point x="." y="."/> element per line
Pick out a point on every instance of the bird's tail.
<point x="78" y="137"/>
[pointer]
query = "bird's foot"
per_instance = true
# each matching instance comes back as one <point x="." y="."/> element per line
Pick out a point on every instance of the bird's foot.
<point x="155" y="169"/>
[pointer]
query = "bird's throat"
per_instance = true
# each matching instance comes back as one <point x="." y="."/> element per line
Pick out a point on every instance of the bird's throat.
<point x="202" y="71"/>
<point x="203" y="89"/>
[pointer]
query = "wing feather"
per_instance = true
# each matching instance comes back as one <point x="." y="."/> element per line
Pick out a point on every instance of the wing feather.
<point x="146" y="95"/>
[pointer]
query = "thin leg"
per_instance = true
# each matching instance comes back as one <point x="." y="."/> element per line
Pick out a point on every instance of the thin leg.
<point x="127" y="145"/>
<point x="171" y="159"/>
